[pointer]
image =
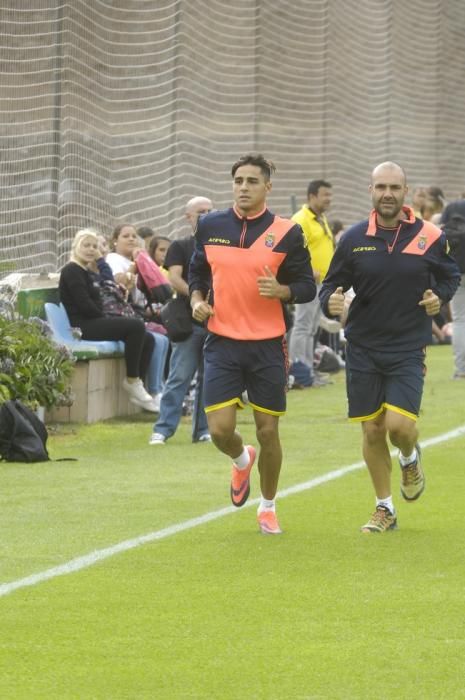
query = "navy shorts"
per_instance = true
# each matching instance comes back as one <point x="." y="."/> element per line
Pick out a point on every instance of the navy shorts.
<point x="378" y="380"/>
<point x="259" y="367"/>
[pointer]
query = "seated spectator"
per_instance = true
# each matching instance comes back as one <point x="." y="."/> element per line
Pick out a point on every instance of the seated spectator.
<point x="123" y="242"/>
<point x="158" y="247"/>
<point x="103" y="245"/>
<point x="100" y="267"/>
<point x="434" y="205"/>
<point x="418" y="200"/>
<point x="125" y="247"/>
<point x="151" y="281"/>
<point x="81" y="297"/>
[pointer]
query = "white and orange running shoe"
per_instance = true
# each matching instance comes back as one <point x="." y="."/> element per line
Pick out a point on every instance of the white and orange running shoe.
<point x="268" y="523"/>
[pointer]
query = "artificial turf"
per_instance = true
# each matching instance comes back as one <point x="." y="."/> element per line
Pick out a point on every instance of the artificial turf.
<point x="218" y="610"/>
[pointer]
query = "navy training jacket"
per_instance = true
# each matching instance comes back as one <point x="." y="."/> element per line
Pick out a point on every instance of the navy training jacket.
<point x="389" y="281"/>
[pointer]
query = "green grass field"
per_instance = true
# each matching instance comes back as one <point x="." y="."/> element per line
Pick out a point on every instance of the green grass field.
<point x="216" y="610"/>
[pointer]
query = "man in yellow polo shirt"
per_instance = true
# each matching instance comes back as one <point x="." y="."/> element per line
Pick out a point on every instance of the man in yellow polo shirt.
<point x="320" y="241"/>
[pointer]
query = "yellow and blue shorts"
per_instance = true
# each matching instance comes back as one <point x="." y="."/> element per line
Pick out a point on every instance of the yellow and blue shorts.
<point x="259" y="367"/>
<point x="384" y="380"/>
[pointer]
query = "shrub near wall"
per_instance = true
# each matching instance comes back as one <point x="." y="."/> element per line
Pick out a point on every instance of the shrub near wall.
<point x="33" y="368"/>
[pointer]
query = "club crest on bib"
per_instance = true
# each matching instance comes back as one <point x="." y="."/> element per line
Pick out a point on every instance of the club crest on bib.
<point x="422" y="241"/>
<point x="269" y="239"/>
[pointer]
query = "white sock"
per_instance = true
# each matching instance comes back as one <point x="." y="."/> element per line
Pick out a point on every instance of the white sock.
<point x="243" y="460"/>
<point x="407" y="460"/>
<point x="386" y="503"/>
<point x="266" y="504"/>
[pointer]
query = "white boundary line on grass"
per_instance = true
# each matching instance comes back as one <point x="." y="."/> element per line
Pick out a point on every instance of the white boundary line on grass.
<point x="99" y="555"/>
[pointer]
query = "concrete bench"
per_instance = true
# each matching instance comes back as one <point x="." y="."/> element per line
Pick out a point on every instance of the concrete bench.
<point x="100" y="367"/>
<point x="98" y="374"/>
<point x="98" y="393"/>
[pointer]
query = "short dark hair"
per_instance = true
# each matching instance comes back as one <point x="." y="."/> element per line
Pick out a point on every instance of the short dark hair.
<point x="437" y="194"/>
<point x="266" y="166"/>
<point x="145" y="232"/>
<point x="336" y="225"/>
<point x="315" y="185"/>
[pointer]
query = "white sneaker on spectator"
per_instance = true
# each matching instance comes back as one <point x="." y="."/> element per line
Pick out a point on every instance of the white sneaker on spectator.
<point x="139" y="396"/>
<point x="157" y="439"/>
<point x="150" y="406"/>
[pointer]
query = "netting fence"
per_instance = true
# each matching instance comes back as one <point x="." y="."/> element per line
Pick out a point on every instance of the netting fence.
<point x="121" y="110"/>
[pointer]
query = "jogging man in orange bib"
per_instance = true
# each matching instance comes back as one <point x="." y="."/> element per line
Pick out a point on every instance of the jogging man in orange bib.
<point x="247" y="264"/>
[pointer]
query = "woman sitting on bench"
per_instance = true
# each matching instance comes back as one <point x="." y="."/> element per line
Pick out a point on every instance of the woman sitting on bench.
<point x="81" y="297"/>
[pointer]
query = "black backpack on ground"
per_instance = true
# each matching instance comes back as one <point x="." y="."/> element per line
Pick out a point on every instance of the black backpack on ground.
<point x="23" y="436"/>
<point x="454" y="229"/>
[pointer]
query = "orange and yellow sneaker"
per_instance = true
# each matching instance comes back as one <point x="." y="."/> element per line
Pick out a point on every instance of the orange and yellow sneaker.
<point x="413" y="479"/>
<point x="268" y="523"/>
<point x="382" y="520"/>
<point x="240" y="480"/>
